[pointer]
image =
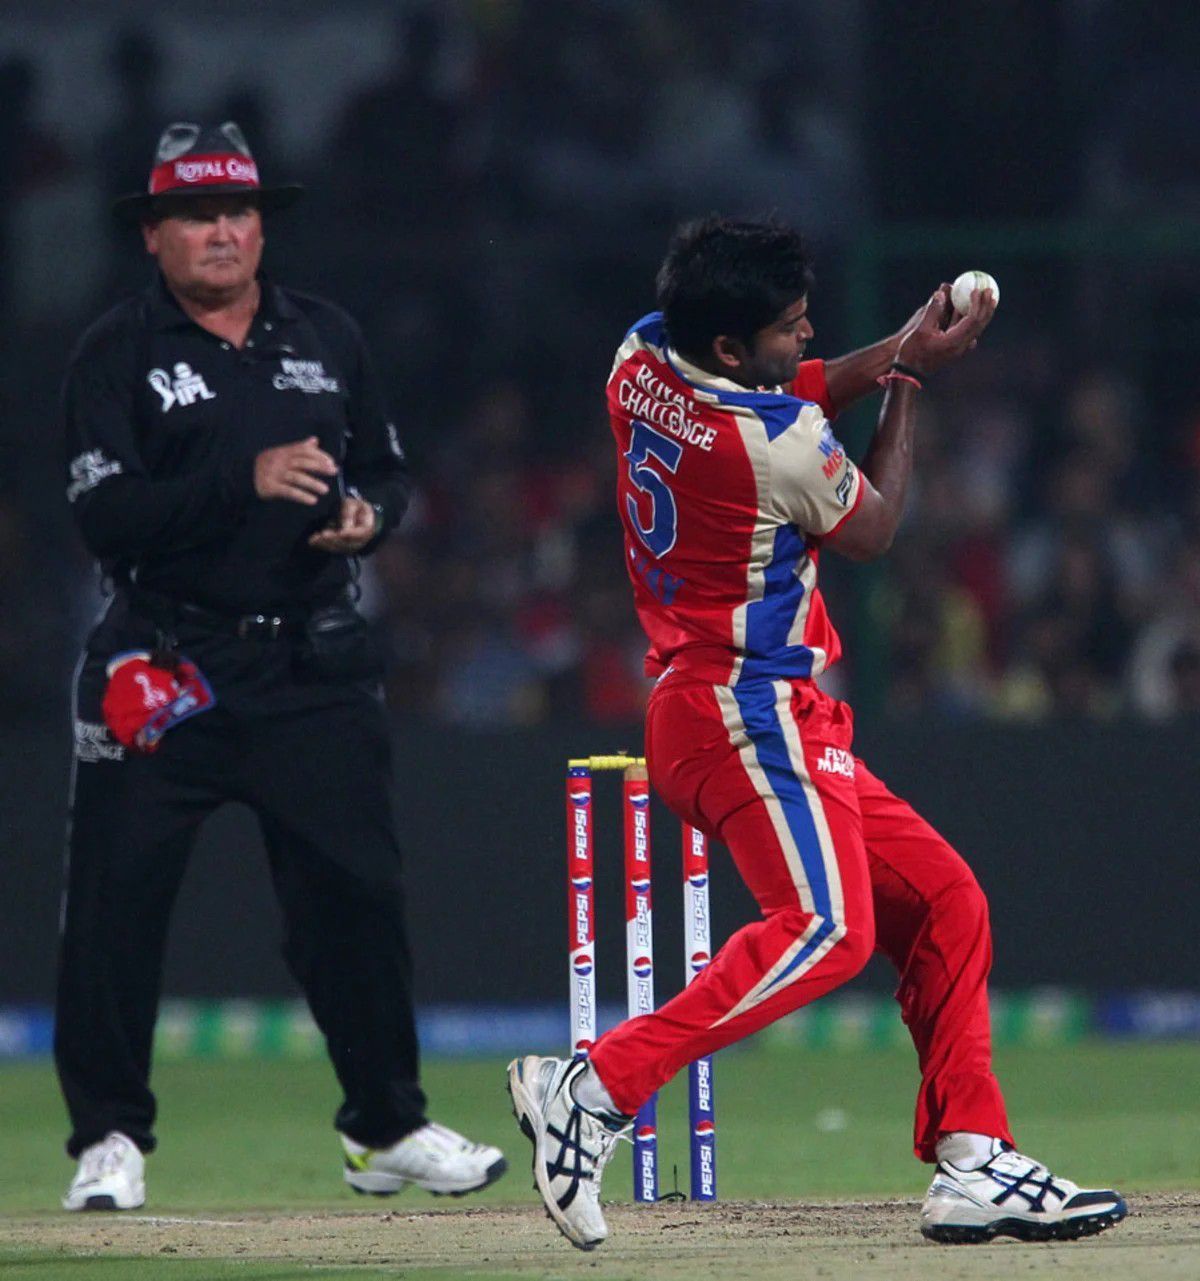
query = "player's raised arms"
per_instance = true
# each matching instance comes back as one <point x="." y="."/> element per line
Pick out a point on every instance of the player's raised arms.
<point x="940" y="337"/>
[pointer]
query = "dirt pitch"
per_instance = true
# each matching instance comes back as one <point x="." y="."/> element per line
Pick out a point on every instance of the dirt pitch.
<point x="731" y="1240"/>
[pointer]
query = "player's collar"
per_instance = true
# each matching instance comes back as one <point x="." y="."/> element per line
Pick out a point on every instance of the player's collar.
<point x="711" y="382"/>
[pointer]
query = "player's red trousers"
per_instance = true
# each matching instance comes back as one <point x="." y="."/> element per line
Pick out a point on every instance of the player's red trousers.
<point x="839" y="867"/>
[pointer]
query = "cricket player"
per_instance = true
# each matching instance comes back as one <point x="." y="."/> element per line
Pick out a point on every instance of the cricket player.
<point x="731" y="486"/>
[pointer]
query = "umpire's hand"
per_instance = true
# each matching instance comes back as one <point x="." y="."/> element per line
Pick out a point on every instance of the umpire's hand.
<point x="293" y="472"/>
<point x="357" y="523"/>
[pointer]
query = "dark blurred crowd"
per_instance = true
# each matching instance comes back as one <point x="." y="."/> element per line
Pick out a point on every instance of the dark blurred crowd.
<point x="492" y="210"/>
<point x="1050" y="563"/>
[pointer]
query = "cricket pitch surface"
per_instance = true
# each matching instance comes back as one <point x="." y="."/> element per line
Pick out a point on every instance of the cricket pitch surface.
<point x="729" y="1240"/>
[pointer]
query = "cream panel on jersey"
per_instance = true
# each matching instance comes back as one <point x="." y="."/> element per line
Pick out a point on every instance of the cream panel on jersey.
<point x="633" y="342"/>
<point x="807" y="573"/>
<point x="813" y="483"/>
<point x="756" y="442"/>
<point x="762" y="541"/>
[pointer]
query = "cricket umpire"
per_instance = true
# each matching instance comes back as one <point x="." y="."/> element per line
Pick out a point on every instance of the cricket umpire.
<point x="229" y="459"/>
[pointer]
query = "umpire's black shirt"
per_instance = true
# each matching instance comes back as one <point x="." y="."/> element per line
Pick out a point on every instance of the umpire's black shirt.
<point x="163" y="422"/>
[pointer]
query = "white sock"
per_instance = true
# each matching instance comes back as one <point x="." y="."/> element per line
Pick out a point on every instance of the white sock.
<point x="965" y="1150"/>
<point x="588" y="1091"/>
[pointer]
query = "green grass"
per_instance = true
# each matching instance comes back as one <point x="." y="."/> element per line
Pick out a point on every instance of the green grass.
<point x="43" y="1266"/>
<point x="239" y="1136"/>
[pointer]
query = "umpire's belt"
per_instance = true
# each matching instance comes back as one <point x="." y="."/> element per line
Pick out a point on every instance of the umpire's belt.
<point x="168" y="613"/>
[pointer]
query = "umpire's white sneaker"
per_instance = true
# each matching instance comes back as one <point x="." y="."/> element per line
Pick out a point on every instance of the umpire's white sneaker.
<point x="434" y="1158"/>
<point x="111" y="1176"/>
<point x="571" y="1146"/>
<point x="1013" y="1195"/>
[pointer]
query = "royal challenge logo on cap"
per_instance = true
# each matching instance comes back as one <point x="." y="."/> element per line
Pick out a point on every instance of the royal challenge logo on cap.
<point x="203" y="160"/>
<point x="190" y="156"/>
<point x="203" y="169"/>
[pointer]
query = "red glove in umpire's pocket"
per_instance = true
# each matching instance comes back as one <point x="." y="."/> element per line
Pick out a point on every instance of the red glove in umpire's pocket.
<point x="144" y="699"/>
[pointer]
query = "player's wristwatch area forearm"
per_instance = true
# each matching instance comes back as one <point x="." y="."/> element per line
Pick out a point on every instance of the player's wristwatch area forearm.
<point x="889" y="458"/>
<point x="855" y="375"/>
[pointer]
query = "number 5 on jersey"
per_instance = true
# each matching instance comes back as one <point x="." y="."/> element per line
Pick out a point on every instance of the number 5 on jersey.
<point x="645" y="443"/>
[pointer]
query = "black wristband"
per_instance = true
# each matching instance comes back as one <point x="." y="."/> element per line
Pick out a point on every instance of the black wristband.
<point x="909" y="372"/>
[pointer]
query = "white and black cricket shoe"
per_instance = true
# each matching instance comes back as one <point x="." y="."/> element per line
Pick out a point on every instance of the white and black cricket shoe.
<point x="571" y="1146"/>
<point x="1013" y="1195"/>
<point x="111" y="1176"/>
<point x="433" y="1157"/>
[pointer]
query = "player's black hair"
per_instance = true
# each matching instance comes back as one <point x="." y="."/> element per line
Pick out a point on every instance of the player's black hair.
<point x="729" y="276"/>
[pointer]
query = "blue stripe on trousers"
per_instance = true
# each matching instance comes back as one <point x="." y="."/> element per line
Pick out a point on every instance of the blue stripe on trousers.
<point x="757" y="703"/>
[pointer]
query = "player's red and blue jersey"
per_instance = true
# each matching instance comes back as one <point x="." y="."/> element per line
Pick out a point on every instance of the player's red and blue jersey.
<point x="725" y="495"/>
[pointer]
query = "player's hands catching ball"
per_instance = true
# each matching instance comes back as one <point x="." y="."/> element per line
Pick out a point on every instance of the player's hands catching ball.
<point x="942" y="335"/>
<point x="355" y="527"/>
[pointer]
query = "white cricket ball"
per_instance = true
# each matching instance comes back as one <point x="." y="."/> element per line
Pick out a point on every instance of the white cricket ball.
<point x="960" y="291"/>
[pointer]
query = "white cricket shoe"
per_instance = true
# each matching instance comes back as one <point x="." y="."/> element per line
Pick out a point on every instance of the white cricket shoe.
<point x="434" y="1157"/>
<point x="571" y="1146"/>
<point x="111" y="1176"/>
<point x="1013" y="1195"/>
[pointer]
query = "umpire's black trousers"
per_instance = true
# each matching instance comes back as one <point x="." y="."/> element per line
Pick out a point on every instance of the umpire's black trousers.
<point x="312" y="758"/>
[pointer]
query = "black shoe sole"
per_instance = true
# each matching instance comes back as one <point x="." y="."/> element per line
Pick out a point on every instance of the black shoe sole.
<point x="100" y="1203"/>
<point x="1085" y="1225"/>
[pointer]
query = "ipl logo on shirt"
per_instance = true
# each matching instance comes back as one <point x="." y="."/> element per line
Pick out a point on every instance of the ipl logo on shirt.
<point x="184" y="389"/>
